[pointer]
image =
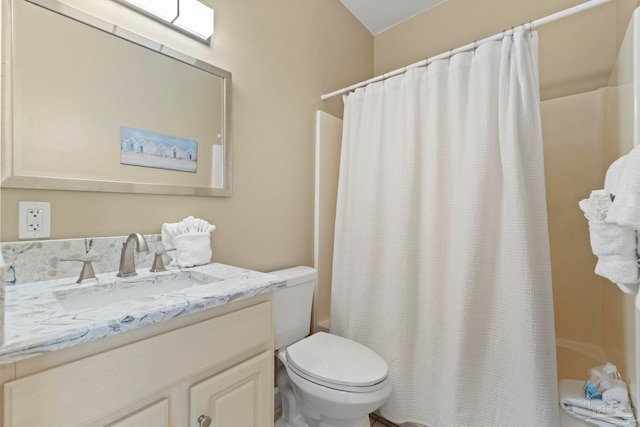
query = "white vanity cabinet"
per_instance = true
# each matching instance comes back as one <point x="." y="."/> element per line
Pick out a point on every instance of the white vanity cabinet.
<point x="219" y="368"/>
<point x="233" y="398"/>
<point x="155" y="415"/>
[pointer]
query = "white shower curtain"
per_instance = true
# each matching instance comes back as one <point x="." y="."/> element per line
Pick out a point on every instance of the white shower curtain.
<point x="441" y="259"/>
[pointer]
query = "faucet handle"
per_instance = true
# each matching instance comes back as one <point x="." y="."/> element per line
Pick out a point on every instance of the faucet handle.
<point x="86" y="274"/>
<point x="158" y="264"/>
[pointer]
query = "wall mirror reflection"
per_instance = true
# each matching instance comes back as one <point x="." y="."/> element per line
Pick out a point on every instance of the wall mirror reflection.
<point x="94" y="107"/>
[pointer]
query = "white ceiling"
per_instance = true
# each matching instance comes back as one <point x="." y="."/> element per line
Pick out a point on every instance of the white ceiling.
<point x="380" y="15"/>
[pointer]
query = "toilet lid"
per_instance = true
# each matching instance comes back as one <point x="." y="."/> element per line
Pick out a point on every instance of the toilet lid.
<point x="337" y="361"/>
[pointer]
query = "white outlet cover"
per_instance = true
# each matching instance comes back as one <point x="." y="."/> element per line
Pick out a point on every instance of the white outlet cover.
<point x="45" y="230"/>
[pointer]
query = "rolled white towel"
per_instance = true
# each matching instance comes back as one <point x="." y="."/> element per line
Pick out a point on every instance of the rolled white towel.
<point x="168" y="232"/>
<point x="595" y="208"/>
<point x="192" y="249"/>
<point x="189" y="225"/>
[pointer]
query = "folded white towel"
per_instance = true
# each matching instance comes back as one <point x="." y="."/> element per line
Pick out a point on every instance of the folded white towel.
<point x="623" y="273"/>
<point x="615" y="246"/>
<point x="594" y="411"/>
<point x="167" y="233"/>
<point x="617" y="395"/>
<point x="609" y="239"/>
<point x="192" y="249"/>
<point x="623" y="180"/>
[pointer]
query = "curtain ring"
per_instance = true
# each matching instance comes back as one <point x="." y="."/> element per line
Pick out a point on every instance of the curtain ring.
<point x="475" y="46"/>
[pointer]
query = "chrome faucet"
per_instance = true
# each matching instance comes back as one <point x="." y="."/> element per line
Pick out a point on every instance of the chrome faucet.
<point x="127" y="256"/>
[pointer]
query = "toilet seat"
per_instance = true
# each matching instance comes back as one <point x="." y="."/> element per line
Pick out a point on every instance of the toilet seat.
<point x="337" y="363"/>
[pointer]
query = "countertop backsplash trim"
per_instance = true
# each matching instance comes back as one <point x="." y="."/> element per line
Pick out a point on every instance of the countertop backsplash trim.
<point x="35" y="261"/>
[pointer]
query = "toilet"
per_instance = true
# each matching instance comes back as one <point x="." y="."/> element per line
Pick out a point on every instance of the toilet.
<point x="324" y="380"/>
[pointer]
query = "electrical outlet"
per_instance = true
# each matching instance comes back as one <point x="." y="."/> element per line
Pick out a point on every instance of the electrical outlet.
<point x="34" y="220"/>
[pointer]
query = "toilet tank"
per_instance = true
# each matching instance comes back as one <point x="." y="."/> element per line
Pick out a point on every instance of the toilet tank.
<point x="292" y="305"/>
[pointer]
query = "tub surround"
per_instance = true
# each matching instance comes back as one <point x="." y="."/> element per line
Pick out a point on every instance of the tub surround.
<point x="35" y="322"/>
<point x="2" y="287"/>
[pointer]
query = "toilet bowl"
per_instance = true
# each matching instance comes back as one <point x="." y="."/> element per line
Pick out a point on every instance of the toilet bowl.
<point x="324" y="380"/>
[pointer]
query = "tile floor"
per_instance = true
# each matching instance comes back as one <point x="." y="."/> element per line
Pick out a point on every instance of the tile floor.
<point x="378" y="421"/>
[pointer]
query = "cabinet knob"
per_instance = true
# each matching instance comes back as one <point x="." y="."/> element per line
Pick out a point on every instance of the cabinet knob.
<point x="204" y="421"/>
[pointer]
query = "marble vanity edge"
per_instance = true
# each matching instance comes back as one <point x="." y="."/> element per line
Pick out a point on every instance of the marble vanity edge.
<point x="36" y="323"/>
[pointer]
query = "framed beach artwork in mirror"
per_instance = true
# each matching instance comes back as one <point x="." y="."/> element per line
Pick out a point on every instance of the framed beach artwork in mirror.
<point x="90" y="106"/>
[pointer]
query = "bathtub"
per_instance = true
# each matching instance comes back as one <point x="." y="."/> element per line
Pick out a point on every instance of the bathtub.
<point x="574" y="361"/>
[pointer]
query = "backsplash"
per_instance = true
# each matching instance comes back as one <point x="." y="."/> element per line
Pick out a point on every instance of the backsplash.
<point x="34" y="261"/>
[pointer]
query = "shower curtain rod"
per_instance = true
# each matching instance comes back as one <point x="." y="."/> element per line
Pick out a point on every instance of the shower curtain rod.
<point x="537" y="23"/>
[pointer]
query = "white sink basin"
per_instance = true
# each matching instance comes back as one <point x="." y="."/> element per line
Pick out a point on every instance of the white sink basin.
<point x="101" y="294"/>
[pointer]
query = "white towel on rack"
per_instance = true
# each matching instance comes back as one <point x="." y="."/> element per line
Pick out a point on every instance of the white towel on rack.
<point x="625" y="210"/>
<point x="623" y="180"/>
<point x="614" y="217"/>
<point x="615" y="246"/>
<point x="613" y="182"/>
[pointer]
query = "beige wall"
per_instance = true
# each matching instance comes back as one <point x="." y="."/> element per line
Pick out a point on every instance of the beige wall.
<point x="283" y="54"/>
<point x="576" y="53"/>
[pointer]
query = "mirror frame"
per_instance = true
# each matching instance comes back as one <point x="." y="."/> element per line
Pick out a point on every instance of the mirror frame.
<point x="13" y="179"/>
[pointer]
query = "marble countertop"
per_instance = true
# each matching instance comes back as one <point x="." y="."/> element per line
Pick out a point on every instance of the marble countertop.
<point x="35" y="322"/>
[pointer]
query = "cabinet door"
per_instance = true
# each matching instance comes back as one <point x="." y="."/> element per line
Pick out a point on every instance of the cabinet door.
<point x="156" y="415"/>
<point x="241" y="396"/>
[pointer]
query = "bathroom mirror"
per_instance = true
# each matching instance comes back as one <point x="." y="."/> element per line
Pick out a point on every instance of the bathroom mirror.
<point x="90" y="106"/>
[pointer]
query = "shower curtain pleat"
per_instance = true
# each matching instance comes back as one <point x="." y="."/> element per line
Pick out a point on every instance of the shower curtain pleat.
<point x="441" y="257"/>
